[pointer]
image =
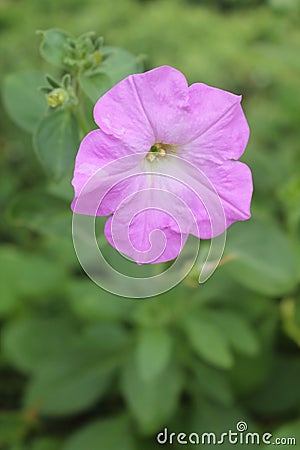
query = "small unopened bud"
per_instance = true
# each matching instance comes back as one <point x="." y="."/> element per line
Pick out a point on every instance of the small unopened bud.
<point x="57" y="97"/>
<point x="97" y="57"/>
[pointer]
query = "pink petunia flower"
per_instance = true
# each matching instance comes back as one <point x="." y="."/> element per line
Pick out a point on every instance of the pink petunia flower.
<point x="157" y="137"/>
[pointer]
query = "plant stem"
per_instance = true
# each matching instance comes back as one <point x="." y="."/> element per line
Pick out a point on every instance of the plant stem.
<point x="84" y="128"/>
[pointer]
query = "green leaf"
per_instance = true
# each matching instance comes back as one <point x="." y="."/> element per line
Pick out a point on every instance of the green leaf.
<point x="109" y="434"/>
<point x="56" y="142"/>
<point x="25" y="267"/>
<point x="78" y="376"/>
<point x="237" y="331"/>
<point x="263" y="258"/>
<point x="288" y="435"/>
<point x="12" y="428"/>
<point x="280" y="393"/>
<point x="40" y="211"/>
<point x="45" y="443"/>
<point x="8" y="290"/>
<point x="153" y="351"/>
<point x="213" y="384"/>
<point x="23" y="101"/>
<point x="106" y="338"/>
<point x="212" y="417"/>
<point x="208" y="341"/>
<point x="92" y="304"/>
<point x="70" y="386"/>
<point x="18" y="447"/>
<point x="70" y="370"/>
<point x="118" y="63"/>
<point x="297" y="312"/>
<point x="30" y="354"/>
<point x="53" y="46"/>
<point x="153" y="401"/>
<point x="95" y="85"/>
<point x="250" y="372"/>
<point x="38" y="275"/>
<point x="289" y="194"/>
<point x="53" y="82"/>
<point x="62" y="189"/>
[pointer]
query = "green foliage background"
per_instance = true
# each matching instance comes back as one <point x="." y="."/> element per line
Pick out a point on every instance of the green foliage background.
<point x="81" y="369"/>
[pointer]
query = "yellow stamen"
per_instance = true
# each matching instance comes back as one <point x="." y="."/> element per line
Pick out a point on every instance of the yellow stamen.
<point x="159" y="150"/>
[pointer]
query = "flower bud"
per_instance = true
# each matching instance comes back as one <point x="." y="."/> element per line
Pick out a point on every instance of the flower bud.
<point x="97" y="57"/>
<point x="57" y="97"/>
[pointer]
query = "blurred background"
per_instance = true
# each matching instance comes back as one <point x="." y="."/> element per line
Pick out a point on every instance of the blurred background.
<point x="81" y="369"/>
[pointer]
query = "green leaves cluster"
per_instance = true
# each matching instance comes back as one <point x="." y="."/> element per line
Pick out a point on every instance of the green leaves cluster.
<point x="75" y="364"/>
<point x="134" y="372"/>
<point x="59" y="114"/>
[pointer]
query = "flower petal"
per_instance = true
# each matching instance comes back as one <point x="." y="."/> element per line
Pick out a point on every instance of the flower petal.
<point x="217" y="129"/>
<point x="144" y="108"/>
<point x="99" y="151"/>
<point x="215" y="196"/>
<point x="120" y="113"/>
<point x="233" y="183"/>
<point x="149" y="239"/>
<point x="96" y="150"/>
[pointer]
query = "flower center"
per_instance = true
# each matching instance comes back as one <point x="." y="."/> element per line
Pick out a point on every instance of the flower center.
<point x="158" y="150"/>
